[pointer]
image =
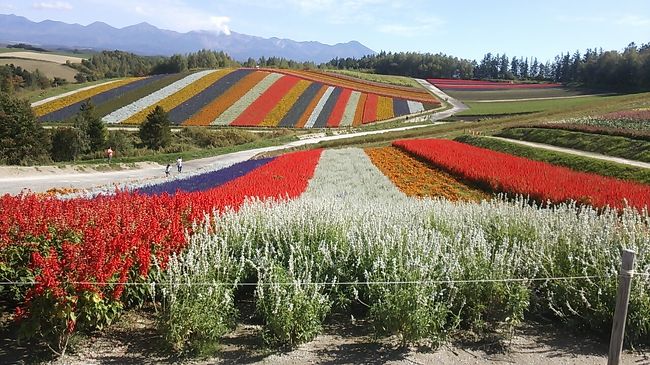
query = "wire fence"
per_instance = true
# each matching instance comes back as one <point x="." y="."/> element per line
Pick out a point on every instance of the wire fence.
<point x="337" y="283"/>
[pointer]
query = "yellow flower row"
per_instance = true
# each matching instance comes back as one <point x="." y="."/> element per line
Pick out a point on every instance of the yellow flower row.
<point x="180" y="96"/>
<point x="282" y="108"/>
<point x="385" y="108"/>
<point x="63" y="102"/>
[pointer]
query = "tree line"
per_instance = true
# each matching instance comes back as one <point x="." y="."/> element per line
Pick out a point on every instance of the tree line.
<point x="628" y="69"/>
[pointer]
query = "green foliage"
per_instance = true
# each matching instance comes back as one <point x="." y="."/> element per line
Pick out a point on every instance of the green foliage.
<point x="598" y="143"/>
<point x="92" y="127"/>
<point x="23" y="140"/>
<point x="574" y="162"/>
<point x="207" y="138"/>
<point x="293" y="309"/>
<point x="155" y="132"/>
<point x="68" y="144"/>
<point x="121" y="142"/>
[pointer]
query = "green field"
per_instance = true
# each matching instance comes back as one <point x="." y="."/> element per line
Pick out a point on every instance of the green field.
<point x="515" y="94"/>
<point x="533" y="106"/>
<point x="617" y="146"/>
<point x="574" y="162"/>
<point x="386" y="79"/>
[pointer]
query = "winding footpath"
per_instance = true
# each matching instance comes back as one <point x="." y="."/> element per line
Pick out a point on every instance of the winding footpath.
<point x="571" y="151"/>
<point x="38" y="182"/>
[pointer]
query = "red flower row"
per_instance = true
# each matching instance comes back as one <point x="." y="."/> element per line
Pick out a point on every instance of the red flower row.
<point x="501" y="172"/>
<point x="108" y="240"/>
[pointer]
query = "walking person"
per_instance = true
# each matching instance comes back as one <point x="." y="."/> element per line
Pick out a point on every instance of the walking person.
<point x="168" y="169"/>
<point x="109" y="154"/>
<point x="179" y="164"/>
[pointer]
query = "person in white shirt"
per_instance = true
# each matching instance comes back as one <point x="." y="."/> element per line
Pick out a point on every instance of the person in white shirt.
<point x="179" y="164"/>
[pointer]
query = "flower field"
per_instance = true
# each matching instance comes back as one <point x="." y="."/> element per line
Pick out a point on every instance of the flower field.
<point x="248" y="97"/>
<point x="500" y="172"/>
<point x="417" y="179"/>
<point x="479" y="85"/>
<point x="324" y="231"/>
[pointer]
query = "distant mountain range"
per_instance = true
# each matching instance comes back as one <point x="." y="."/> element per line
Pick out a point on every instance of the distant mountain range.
<point x="146" y="39"/>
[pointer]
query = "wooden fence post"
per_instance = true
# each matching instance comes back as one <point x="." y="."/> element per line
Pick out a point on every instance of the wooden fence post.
<point x="620" y="313"/>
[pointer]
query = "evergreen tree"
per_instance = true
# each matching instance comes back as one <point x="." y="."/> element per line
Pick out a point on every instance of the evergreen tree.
<point x="92" y="128"/>
<point x="155" y="132"/>
<point x="23" y="140"/>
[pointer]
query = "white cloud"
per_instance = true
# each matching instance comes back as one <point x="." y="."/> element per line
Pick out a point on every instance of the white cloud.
<point x="52" y="5"/>
<point x="7" y="6"/>
<point x="179" y="16"/>
<point x="418" y="27"/>
<point x="633" y="20"/>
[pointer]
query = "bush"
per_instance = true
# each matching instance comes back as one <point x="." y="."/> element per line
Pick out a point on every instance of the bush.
<point x="68" y="144"/>
<point x="206" y="138"/>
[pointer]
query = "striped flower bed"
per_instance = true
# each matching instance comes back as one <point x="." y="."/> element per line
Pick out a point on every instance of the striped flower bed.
<point x="208" y="105"/>
<point x="257" y="111"/>
<point x="299" y="108"/>
<point x="243" y="97"/>
<point x="245" y="101"/>
<point x="275" y="116"/>
<point x="125" y="112"/>
<point x="77" y="97"/>
<point x="98" y="99"/>
<point x="179" y="97"/>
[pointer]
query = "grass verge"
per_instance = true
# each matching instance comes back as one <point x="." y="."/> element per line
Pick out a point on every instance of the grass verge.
<point x="578" y="163"/>
<point x="529" y="106"/>
<point x="623" y="147"/>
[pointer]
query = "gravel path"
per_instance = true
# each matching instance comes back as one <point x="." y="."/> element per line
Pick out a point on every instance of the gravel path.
<point x="571" y="151"/>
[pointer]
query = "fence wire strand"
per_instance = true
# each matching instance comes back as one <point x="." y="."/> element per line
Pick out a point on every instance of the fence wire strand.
<point x="335" y="283"/>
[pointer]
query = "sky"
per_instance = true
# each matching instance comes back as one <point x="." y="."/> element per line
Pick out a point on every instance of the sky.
<point x="466" y="29"/>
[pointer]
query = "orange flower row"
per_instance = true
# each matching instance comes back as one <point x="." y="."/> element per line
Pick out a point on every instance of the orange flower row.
<point x="418" y="179"/>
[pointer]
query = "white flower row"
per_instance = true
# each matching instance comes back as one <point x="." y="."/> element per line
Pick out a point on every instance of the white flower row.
<point x="245" y="101"/>
<point x="348" y="174"/>
<point x="350" y="109"/>
<point x="319" y="107"/>
<point x="127" y="111"/>
<point x="415" y="106"/>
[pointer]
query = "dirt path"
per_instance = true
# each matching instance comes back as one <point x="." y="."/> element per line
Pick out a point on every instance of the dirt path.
<point x="571" y="151"/>
<point x="135" y="340"/>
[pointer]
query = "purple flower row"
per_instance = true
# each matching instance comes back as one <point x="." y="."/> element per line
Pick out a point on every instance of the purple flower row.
<point x="299" y="107"/>
<point x="206" y="181"/>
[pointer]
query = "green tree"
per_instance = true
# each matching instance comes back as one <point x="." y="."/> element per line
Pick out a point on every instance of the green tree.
<point x="92" y="127"/>
<point x="68" y="143"/>
<point x="155" y="132"/>
<point x="23" y="140"/>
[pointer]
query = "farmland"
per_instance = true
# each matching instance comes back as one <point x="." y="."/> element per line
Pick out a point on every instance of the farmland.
<point x="247" y="98"/>
<point x="421" y="240"/>
<point x="294" y="226"/>
<point x="47" y="68"/>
